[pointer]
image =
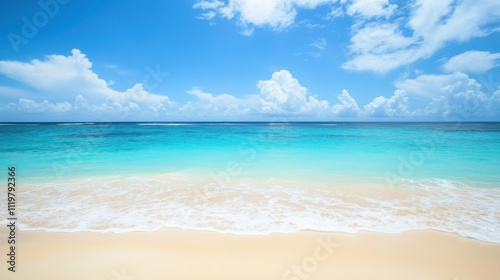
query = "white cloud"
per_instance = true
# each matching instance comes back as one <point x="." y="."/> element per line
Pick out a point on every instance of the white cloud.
<point x="460" y="105"/>
<point x="379" y="39"/>
<point x="494" y="105"/>
<point x="319" y="46"/>
<point x="395" y="106"/>
<point x="208" y="15"/>
<point x="276" y="14"/>
<point x="466" y="19"/>
<point x="377" y="44"/>
<point x="31" y="106"/>
<point x="57" y="73"/>
<point x="472" y="62"/>
<point x="205" y="5"/>
<point x="139" y="94"/>
<point x="452" y="95"/>
<point x="60" y="78"/>
<point x="336" y="12"/>
<point x="348" y="107"/>
<point x="442" y="97"/>
<point x="384" y="36"/>
<point x="248" y="31"/>
<point x="438" y="85"/>
<point x="437" y="96"/>
<point x="380" y="63"/>
<point x="208" y="5"/>
<point x="381" y="47"/>
<point x="371" y="8"/>
<point x="224" y="105"/>
<point x="426" y="15"/>
<point x="284" y="95"/>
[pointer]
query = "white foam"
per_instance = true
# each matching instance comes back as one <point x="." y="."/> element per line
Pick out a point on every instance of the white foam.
<point x="124" y="204"/>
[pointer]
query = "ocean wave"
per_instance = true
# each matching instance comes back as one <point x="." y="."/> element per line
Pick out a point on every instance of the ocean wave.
<point x="183" y="201"/>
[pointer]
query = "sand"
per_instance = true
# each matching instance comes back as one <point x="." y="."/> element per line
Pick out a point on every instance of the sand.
<point x="178" y="254"/>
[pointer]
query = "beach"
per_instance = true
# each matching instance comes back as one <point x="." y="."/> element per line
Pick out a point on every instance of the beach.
<point x="250" y="140"/>
<point x="295" y="201"/>
<point x="184" y="254"/>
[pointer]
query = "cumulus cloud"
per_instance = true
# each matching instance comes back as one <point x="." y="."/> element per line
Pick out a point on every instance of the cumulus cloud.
<point x="348" y="107"/>
<point x="437" y="85"/>
<point x="445" y="97"/>
<point x="283" y="94"/>
<point x="64" y="78"/>
<point x="426" y="95"/>
<point x="395" y="106"/>
<point x="450" y="95"/>
<point x="472" y="62"/>
<point x="60" y="74"/>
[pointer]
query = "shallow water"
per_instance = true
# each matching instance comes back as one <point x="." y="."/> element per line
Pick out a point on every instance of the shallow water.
<point x="257" y="178"/>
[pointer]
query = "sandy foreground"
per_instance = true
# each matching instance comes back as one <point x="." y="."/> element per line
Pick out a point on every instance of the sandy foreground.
<point x="178" y="254"/>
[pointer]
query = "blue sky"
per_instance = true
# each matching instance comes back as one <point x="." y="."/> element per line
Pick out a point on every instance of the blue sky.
<point x="66" y="60"/>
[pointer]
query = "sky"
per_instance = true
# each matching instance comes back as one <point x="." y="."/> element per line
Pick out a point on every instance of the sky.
<point x="249" y="60"/>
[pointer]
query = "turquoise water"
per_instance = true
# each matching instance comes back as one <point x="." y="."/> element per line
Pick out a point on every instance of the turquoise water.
<point x="469" y="151"/>
<point x="270" y="177"/>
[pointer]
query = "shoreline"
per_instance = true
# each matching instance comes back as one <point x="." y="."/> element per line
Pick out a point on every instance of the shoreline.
<point x="176" y="200"/>
<point x="188" y="254"/>
<point x="252" y="235"/>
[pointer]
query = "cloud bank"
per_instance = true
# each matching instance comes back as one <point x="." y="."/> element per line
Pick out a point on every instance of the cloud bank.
<point x="67" y="83"/>
<point x="66" y="86"/>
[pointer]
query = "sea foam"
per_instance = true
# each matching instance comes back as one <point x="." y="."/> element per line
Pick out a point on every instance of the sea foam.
<point x="141" y="203"/>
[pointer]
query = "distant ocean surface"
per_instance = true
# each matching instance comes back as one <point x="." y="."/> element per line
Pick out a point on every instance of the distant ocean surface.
<point x="255" y="178"/>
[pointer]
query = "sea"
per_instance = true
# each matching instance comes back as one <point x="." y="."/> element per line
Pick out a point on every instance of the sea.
<point x="254" y="178"/>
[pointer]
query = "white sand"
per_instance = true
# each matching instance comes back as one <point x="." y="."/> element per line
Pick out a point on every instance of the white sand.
<point x="176" y="254"/>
